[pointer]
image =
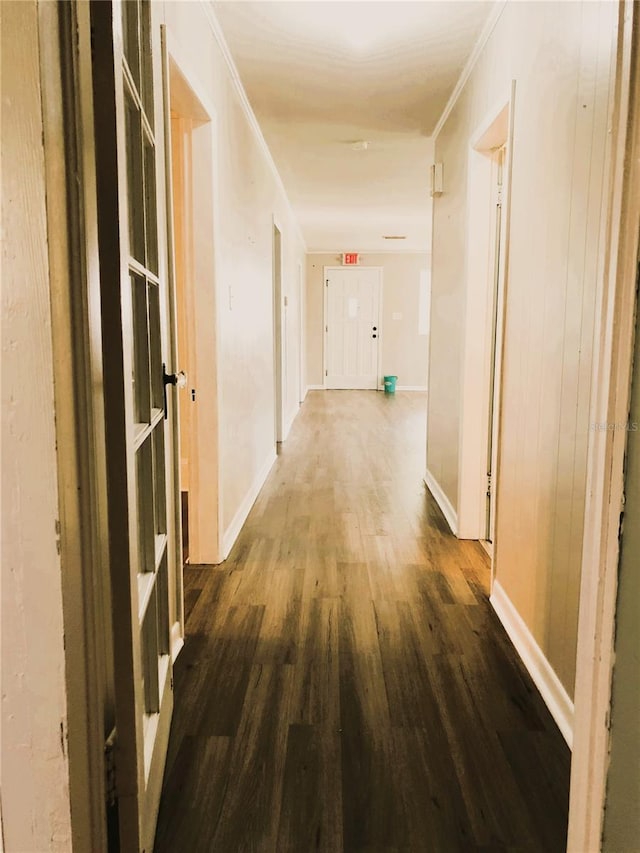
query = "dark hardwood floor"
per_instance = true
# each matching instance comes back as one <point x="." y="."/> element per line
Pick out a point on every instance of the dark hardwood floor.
<point x="345" y="684"/>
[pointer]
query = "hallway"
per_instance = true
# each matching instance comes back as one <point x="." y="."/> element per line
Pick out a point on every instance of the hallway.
<point x="345" y="684"/>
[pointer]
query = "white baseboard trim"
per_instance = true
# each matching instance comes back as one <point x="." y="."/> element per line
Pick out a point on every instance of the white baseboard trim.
<point x="292" y="416"/>
<point x="233" y="531"/>
<point x="487" y="547"/>
<point x="411" y="387"/>
<point x="314" y="388"/>
<point x="443" y="501"/>
<point x="555" y="696"/>
<point x="177" y="641"/>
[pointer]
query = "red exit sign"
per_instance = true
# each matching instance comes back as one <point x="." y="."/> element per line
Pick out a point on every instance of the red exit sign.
<point x="350" y="259"/>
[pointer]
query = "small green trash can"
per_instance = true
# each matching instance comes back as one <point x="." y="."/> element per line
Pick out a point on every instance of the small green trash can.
<point x="390" y="384"/>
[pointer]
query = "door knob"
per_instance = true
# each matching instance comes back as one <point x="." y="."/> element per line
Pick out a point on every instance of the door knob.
<point x="178" y="380"/>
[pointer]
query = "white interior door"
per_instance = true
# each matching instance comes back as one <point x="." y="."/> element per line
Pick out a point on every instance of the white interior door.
<point x="352" y="327"/>
<point x="141" y="490"/>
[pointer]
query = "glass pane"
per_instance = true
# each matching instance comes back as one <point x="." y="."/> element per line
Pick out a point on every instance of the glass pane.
<point x="147" y="61"/>
<point x="159" y="481"/>
<point x="131" y="37"/>
<point x="162" y="585"/>
<point x="144" y="491"/>
<point x="151" y="216"/>
<point x="141" y="382"/>
<point x="135" y="184"/>
<point x="149" y="649"/>
<point x="155" y="347"/>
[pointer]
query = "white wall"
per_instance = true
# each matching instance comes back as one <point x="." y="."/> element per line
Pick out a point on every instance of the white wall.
<point x="559" y="54"/>
<point x="35" y="787"/>
<point x="248" y="196"/>
<point x="404" y="350"/>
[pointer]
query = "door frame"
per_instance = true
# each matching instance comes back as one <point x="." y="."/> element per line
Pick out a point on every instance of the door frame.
<point x="494" y="130"/>
<point x="610" y="401"/>
<point x="302" y="337"/>
<point x="279" y="333"/>
<point x="325" y="314"/>
<point x="205" y="538"/>
<point x="76" y="329"/>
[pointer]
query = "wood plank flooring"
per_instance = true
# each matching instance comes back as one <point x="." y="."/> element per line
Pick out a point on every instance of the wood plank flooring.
<point x="345" y="684"/>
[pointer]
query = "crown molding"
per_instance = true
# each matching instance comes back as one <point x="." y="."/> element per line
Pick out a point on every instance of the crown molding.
<point x="483" y="38"/>
<point x="216" y="29"/>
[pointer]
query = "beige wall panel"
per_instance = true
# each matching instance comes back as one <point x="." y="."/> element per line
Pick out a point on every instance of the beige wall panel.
<point x="560" y="57"/>
<point x="35" y="788"/>
<point x="404" y="350"/>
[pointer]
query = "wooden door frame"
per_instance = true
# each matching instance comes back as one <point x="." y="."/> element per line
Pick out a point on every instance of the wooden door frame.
<point x="66" y="79"/>
<point x="205" y="538"/>
<point x="302" y="383"/>
<point x="279" y="385"/>
<point x="610" y="400"/>
<point x="325" y="314"/>
<point x="475" y="377"/>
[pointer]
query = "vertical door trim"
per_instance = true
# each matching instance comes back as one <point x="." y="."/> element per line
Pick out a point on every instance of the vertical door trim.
<point x="180" y="58"/>
<point x="177" y="635"/>
<point x="610" y="401"/>
<point x="480" y="291"/>
<point x="279" y="332"/>
<point x="65" y="44"/>
<point x="302" y="380"/>
<point x="325" y="316"/>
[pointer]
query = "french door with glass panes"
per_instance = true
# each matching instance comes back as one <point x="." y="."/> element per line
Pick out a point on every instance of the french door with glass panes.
<point x="134" y="308"/>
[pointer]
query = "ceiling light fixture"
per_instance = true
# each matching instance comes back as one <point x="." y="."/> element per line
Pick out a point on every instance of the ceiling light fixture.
<point x="360" y="145"/>
<point x="394" y="237"/>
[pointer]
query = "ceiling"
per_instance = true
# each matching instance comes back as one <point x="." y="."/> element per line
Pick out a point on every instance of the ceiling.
<point x="324" y="76"/>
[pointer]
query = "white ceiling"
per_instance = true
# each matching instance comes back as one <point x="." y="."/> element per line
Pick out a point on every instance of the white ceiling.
<point x="323" y="75"/>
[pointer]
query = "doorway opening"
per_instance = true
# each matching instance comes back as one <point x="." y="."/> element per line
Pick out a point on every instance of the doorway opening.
<point x="488" y="183"/>
<point x="191" y="164"/>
